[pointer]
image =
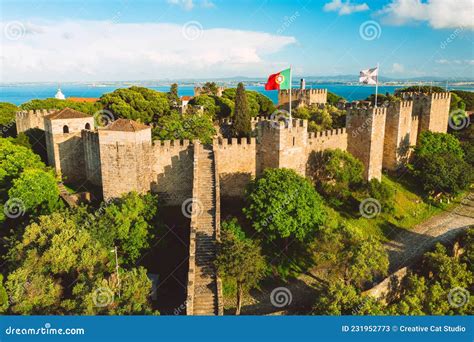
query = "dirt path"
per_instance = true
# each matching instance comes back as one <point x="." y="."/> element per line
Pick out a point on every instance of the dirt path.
<point x="404" y="249"/>
<point x="408" y="245"/>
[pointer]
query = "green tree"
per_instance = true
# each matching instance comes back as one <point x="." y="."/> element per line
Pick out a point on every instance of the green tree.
<point x="333" y="99"/>
<point x="439" y="164"/>
<point x="173" y="97"/>
<point x="136" y="103"/>
<point x="383" y="193"/>
<point x="207" y="102"/>
<point x="52" y="103"/>
<point x="209" y="88"/>
<point x="7" y="118"/>
<point x="343" y="299"/>
<point x="239" y="259"/>
<point x="4" y="302"/>
<point x="37" y="190"/>
<point x="126" y="223"/>
<point x="14" y="159"/>
<point x="58" y="267"/>
<point x="281" y="204"/>
<point x="242" y="126"/>
<point x="187" y="126"/>
<point x="343" y="253"/>
<point x="336" y="173"/>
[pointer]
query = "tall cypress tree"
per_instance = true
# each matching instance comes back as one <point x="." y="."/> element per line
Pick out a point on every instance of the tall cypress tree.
<point x="242" y="125"/>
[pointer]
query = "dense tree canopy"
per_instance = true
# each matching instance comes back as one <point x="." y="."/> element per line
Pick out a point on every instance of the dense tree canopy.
<point x="187" y="126"/>
<point x="281" y="204"/>
<point x="14" y="159"/>
<point x="136" y="103"/>
<point x="439" y="163"/>
<point x="336" y="173"/>
<point x="320" y="119"/>
<point x="52" y="103"/>
<point x="57" y="267"/>
<point x="37" y="190"/>
<point x="239" y="260"/>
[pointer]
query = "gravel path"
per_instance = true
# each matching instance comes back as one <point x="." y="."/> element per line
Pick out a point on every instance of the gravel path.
<point x="408" y="245"/>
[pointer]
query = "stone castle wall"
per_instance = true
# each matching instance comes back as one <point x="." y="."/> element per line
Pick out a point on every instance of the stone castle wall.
<point x="398" y="126"/>
<point x="31" y="119"/>
<point x="236" y="161"/>
<point x="92" y="157"/>
<point x="66" y="150"/>
<point x="303" y="96"/>
<point x="365" y="138"/>
<point x="172" y="170"/>
<point x="126" y="159"/>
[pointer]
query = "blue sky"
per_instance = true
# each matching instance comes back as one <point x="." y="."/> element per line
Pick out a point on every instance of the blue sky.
<point x="129" y="40"/>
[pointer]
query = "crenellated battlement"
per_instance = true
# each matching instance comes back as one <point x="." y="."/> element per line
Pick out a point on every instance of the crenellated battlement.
<point x="304" y="91"/>
<point x="29" y="119"/>
<point x="367" y="111"/>
<point x="223" y="142"/>
<point x="327" y="133"/>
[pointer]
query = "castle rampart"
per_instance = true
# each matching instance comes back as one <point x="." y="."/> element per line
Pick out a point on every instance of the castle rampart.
<point x="121" y="157"/>
<point x="172" y="170"/>
<point x="398" y="126"/>
<point x="237" y="164"/>
<point x="30" y="119"/>
<point x="365" y="138"/>
<point x="303" y="97"/>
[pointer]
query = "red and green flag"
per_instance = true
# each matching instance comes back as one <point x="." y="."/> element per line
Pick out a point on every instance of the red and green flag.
<point x="280" y="80"/>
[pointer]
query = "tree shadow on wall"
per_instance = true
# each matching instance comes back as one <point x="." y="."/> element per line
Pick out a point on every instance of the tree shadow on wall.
<point x="71" y="160"/>
<point x="37" y="139"/>
<point x="233" y="185"/>
<point x="175" y="184"/>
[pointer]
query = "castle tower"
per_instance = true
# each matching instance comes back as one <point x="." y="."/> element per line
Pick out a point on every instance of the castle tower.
<point x="31" y="119"/>
<point x="304" y="97"/>
<point x="433" y="110"/>
<point x="398" y="126"/>
<point x="282" y="145"/>
<point x="125" y="158"/>
<point x="365" y="138"/>
<point x="64" y="143"/>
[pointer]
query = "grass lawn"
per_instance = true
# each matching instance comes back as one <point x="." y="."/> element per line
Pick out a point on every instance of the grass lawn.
<point x="409" y="210"/>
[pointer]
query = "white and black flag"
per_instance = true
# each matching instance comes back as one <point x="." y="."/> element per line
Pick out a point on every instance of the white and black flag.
<point x="369" y="76"/>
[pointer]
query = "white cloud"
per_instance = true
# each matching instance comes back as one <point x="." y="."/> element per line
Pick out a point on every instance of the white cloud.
<point x="98" y="50"/>
<point x="345" y="7"/>
<point x="438" y="13"/>
<point x="397" y="68"/>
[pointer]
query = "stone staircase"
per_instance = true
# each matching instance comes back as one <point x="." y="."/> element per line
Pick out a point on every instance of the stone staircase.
<point x="206" y="297"/>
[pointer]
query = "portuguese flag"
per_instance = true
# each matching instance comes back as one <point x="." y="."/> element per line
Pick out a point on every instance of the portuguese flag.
<point x="280" y="80"/>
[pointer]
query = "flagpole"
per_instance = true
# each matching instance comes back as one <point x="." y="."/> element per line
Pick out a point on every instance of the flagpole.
<point x="377" y="85"/>
<point x="291" y="80"/>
